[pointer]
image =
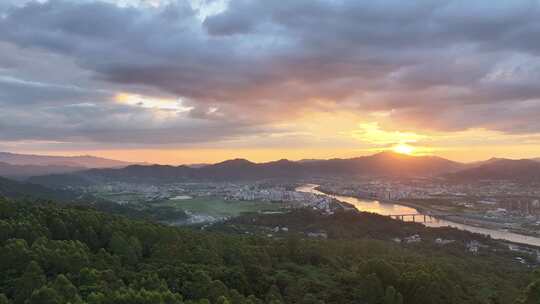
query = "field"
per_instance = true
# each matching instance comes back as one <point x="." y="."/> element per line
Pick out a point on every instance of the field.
<point x="217" y="207"/>
<point x="183" y="209"/>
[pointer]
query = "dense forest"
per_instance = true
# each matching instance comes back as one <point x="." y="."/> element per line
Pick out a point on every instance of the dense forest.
<point x="59" y="254"/>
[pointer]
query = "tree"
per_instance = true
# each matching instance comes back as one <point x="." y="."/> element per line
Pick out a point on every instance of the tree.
<point x="310" y="298"/>
<point x="236" y="297"/>
<point x="91" y="238"/>
<point x="6" y="231"/>
<point x="45" y="295"/>
<point x="253" y="300"/>
<point x="273" y="295"/>
<point x="135" y="247"/>
<point x="216" y="290"/>
<point x="171" y="298"/>
<point x="222" y="300"/>
<point x="198" y="287"/>
<point x="391" y="296"/>
<point x="387" y="274"/>
<point x="7" y="209"/>
<point x="58" y="229"/>
<point x="3" y="299"/>
<point x="95" y="298"/>
<point x="32" y="279"/>
<point x="130" y="249"/>
<point x="88" y="281"/>
<point x="66" y="291"/>
<point x="372" y="290"/>
<point x="532" y="293"/>
<point x="118" y="243"/>
<point x="15" y="255"/>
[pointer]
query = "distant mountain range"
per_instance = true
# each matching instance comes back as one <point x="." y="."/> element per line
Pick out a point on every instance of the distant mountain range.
<point x="522" y="170"/>
<point x="21" y="172"/>
<point x="20" y="166"/>
<point x="382" y="164"/>
<point x="85" y="161"/>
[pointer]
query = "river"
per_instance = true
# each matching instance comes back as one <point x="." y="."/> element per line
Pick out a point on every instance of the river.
<point x="382" y="208"/>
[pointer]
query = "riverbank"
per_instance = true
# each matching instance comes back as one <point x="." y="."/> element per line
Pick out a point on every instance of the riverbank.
<point x="461" y="219"/>
<point x="495" y="230"/>
<point x="464" y="219"/>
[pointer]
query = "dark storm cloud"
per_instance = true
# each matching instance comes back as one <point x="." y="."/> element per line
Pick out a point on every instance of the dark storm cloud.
<point x="444" y="65"/>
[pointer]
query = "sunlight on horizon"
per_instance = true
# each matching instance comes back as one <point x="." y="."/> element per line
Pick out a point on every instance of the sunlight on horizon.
<point x="404" y="149"/>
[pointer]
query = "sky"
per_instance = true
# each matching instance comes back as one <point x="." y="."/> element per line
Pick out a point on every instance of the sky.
<point x="172" y="81"/>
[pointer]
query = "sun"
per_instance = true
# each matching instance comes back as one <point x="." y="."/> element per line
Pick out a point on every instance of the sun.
<point x="403" y="149"/>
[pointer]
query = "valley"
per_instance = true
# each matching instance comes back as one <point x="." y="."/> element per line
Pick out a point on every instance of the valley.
<point x="285" y="203"/>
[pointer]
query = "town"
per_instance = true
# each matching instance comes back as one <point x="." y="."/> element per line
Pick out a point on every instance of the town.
<point x="496" y="204"/>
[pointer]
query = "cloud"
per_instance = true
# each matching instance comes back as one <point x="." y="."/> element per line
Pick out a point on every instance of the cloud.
<point x="372" y="133"/>
<point x="245" y="66"/>
<point x="20" y="91"/>
<point x="115" y="125"/>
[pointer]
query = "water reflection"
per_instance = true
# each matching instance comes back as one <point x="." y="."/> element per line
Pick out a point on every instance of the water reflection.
<point x="391" y="208"/>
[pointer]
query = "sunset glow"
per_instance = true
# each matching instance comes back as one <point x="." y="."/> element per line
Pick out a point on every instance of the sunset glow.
<point x="150" y="102"/>
<point x="266" y="94"/>
<point x="404" y="149"/>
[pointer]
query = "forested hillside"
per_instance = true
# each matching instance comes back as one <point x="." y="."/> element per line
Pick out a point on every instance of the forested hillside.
<point x="32" y="192"/>
<point x="50" y="254"/>
<point x="21" y="190"/>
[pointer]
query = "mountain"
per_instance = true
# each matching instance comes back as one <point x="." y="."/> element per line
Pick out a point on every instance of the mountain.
<point x="493" y="160"/>
<point x="85" y="161"/>
<point x="22" y="166"/>
<point x="477" y="164"/>
<point x="199" y="165"/>
<point x="24" y="171"/>
<point x="523" y="170"/>
<point x="386" y="164"/>
<point x="381" y="164"/>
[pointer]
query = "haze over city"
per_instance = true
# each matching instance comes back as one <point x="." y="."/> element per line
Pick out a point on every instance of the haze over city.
<point x="176" y="82"/>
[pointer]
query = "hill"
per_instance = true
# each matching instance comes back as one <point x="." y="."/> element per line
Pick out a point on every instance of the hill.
<point x="85" y="161"/>
<point x="523" y="170"/>
<point x="75" y="255"/>
<point x="19" y="190"/>
<point x="381" y="164"/>
<point x="34" y="193"/>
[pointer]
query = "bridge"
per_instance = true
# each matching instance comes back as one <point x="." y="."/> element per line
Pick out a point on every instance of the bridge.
<point x="416" y="217"/>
